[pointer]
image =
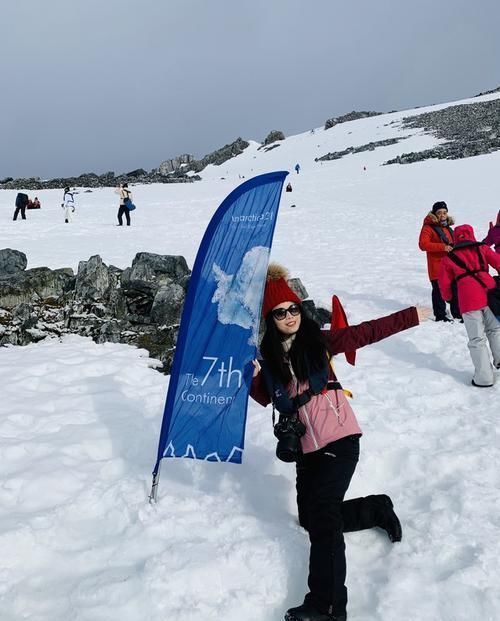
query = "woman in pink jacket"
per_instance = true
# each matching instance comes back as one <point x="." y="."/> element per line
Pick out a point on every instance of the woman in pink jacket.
<point x="318" y="429"/>
<point x="467" y="266"/>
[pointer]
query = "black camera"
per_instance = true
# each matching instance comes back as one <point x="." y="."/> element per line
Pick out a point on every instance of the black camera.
<point x="288" y="430"/>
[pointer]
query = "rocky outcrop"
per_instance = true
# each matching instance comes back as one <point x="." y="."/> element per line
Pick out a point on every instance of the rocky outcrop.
<point x="468" y="129"/>
<point x="350" y="116"/>
<point x="140" y="305"/>
<point x="12" y="261"/>
<point x="220" y="156"/>
<point x="273" y="136"/>
<point x="184" y="164"/>
<point x="371" y="146"/>
<point x="176" y="164"/>
<point x="91" y="180"/>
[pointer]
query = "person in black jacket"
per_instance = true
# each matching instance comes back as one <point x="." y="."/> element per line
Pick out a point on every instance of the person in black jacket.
<point x="21" y="204"/>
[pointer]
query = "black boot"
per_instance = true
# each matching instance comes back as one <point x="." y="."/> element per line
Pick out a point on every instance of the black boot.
<point x="306" y="612"/>
<point x="386" y="517"/>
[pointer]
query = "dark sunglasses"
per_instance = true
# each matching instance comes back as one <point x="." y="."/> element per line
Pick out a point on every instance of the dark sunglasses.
<point x="280" y="313"/>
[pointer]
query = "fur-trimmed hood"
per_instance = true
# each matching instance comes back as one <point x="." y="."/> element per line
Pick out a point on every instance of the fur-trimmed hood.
<point x="432" y="220"/>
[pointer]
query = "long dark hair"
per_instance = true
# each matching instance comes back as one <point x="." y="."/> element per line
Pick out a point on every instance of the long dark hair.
<point x="307" y="354"/>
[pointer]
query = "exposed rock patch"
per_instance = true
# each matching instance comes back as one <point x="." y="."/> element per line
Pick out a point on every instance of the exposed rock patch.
<point x="371" y="146"/>
<point x="273" y="136"/>
<point x="468" y="129"/>
<point x="350" y="116"/>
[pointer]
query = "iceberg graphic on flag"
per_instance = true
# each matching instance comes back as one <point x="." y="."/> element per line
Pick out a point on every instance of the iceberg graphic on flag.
<point x="239" y="295"/>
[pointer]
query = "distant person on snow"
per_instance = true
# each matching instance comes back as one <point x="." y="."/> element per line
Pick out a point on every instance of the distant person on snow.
<point x="21" y="204"/>
<point x="125" y="195"/>
<point x="318" y="429"/>
<point x="288" y="187"/>
<point x="36" y="203"/>
<point x="467" y="266"/>
<point x="493" y="237"/>
<point x="297" y="168"/>
<point x="68" y="205"/>
<point x="436" y="239"/>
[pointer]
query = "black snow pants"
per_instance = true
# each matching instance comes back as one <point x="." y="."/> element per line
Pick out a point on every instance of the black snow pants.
<point x="21" y="209"/>
<point x="439" y="305"/>
<point x="322" y="481"/>
<point x="121" y="211"/>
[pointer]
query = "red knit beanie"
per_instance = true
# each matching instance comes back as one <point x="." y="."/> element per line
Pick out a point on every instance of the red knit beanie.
<point x="277" y="289"/>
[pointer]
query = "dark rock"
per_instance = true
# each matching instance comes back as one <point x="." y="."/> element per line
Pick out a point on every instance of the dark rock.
<point x="297" y="286"/>
<point x="167" y="305"/>
<point x="92" y="280"/>
<point x="11" y="262"/>
<point x="320" y="315"/>
<point x="371" y="146"/>
<point x="35" y="285"/>
<point x="351" y="116"/>
<point x="221" y="155"/>
<point x="139" y="172"/>
<point x="273" y="136"/>
<point x="269" y="148"/>
<point x="168" y="167"/>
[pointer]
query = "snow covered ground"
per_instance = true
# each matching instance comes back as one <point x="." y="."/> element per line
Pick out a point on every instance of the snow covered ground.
<point x="79" y="422"/>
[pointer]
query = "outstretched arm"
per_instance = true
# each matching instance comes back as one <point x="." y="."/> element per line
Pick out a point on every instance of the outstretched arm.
<point x="354" y="337"/>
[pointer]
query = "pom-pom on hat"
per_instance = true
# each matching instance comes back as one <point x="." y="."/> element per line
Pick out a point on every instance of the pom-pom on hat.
<point x="277" y="289"/>
<point x="439" y="205"/>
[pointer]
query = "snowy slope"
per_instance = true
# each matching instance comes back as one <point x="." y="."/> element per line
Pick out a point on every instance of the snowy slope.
<point x="79" y="422"/>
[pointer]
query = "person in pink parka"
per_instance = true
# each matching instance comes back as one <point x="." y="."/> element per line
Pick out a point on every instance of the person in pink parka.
<point x="467" y="266"/>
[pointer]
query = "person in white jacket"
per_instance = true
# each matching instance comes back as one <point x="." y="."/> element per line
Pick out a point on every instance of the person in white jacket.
<point x="68" y="205"/>
<point x="125" y="194"/>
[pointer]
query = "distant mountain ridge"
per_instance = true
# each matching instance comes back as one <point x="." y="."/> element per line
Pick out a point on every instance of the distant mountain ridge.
<point x="469" y="129"/>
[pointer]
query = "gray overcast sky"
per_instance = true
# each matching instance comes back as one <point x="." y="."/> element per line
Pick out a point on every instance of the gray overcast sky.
<point x="97" y="85"/>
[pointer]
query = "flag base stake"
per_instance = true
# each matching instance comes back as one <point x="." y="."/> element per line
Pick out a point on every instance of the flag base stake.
<point x="153" y="496"/>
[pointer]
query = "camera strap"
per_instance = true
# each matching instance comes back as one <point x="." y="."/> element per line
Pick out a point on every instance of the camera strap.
<point x="308" y="394"/>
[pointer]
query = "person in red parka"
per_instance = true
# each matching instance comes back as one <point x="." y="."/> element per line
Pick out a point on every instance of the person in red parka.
<point x="436" y="239"/>
<point x="467" y="266"/>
